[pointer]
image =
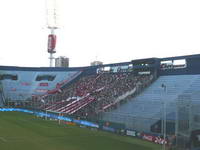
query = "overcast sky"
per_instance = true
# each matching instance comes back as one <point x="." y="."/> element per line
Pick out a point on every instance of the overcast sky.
<point x="109" y="30"/>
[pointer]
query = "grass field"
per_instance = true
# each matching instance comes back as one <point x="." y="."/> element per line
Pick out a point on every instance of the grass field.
<point x="20" y="131"/>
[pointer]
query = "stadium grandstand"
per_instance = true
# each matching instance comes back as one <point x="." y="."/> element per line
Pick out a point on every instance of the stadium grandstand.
<point x="154" y="96"/>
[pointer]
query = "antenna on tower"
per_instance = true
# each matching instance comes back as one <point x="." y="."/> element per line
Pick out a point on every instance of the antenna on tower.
<point x="52" y="25"/>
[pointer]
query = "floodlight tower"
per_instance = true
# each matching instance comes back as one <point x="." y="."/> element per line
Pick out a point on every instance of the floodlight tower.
<point x="52" y="25"/>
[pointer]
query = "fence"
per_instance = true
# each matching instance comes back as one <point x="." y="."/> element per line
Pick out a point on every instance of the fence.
<point x="188" y="120"/>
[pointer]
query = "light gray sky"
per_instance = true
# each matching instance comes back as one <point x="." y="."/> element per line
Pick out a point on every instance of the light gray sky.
<point x="112" y="30"/>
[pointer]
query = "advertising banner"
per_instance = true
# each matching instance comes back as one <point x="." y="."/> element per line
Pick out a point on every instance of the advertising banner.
<point x="108" y="129"/>
<point x="154" y="139"/>
<point x="44" y="84"/>
<point x="131" y="133"/>
<point x="51" y="43"/>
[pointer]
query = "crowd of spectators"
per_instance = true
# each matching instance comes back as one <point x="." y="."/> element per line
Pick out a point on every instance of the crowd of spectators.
<point x="103" y="89"/>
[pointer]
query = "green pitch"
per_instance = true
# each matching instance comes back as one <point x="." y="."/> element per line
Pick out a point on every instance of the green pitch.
<point x="19" y="131"/>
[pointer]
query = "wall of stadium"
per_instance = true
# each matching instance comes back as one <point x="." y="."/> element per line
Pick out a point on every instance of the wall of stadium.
<point x="27" y="85"/>
<point x="21" y="84"/>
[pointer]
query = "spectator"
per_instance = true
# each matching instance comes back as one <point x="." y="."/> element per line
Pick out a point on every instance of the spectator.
<point x="101" y="91"/>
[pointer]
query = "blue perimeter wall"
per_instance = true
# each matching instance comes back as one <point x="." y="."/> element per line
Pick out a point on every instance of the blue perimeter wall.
<point x="53" y="116"/>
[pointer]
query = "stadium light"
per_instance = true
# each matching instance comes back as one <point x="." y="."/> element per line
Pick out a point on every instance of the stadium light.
<point x="164" y="87"/>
